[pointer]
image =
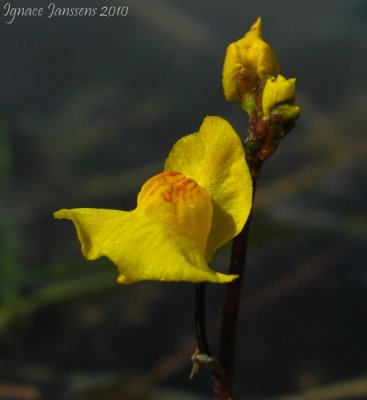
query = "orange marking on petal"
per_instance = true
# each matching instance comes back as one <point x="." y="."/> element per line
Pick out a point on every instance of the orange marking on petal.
<point x="178" y="201"/>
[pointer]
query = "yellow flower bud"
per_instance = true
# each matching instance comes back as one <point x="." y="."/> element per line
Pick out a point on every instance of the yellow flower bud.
<point x="249" y="55"/>
<point x="277" y="90"/>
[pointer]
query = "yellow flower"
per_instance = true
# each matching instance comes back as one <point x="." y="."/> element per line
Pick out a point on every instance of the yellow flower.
<point x="277" y="90"/>
<point x="245" y="56"/>
<point x="183" y="215"/>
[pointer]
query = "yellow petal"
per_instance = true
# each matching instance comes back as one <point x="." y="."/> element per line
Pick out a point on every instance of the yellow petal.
<point x="214" y="158"/>
<point x="96" y="228"/>
<point x="179" y="202"/>
<point x="277" y="90"/>
<point x="142" y="247"/>
<point x="249" y="53"/>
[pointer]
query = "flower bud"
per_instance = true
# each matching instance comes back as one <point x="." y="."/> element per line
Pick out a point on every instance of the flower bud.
<point x="278" y="90"/>
<point x="248" y="57"/>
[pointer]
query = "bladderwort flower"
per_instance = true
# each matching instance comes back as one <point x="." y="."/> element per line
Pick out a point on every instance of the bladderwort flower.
<point x="183" y="215"/>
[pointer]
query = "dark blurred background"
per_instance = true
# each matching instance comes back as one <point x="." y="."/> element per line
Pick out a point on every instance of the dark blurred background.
<point x="89" y="109"/>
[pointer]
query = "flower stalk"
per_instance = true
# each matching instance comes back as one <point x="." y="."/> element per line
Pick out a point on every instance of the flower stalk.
<point x="200" y="321"/>
<point x="251" y="77"/>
